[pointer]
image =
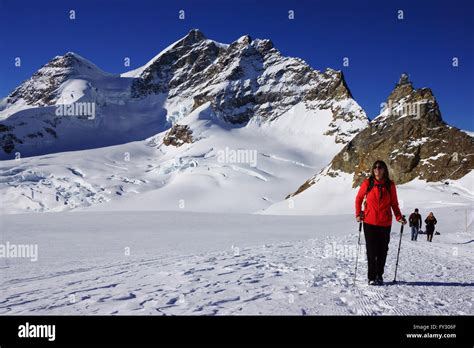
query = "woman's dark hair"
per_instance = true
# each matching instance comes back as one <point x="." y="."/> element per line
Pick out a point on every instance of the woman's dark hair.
<point x="386" y="177"/>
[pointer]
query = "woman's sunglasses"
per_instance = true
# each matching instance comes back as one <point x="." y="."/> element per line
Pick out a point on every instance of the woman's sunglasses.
<point x="379" y="167"/>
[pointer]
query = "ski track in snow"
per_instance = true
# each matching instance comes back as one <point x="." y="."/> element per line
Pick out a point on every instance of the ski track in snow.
<point x="279" y="278"/>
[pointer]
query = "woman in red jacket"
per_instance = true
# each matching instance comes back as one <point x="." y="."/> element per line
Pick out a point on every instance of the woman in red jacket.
<point x="379" y="194"/>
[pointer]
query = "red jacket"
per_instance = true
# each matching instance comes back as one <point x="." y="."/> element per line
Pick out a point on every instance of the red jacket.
<point x="378" y="211"/>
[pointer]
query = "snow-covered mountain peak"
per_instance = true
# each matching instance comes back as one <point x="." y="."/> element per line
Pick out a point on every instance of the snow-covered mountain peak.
<point x="244" y="40"/>
<point x="74" y="62"/>
<point x="70" y="65"/>
<point x="43" y="87"/>
<point x="248" y="79"/>
<point x="193" y="38"/>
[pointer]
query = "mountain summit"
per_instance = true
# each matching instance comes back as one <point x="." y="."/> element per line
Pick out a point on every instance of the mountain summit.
<point x="248" y="79"/>
<point x="44" y="87"/>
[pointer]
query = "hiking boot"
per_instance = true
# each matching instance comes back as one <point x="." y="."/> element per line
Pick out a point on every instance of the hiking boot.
<point x="372" y="282"/>
<point x="379" y="281"/>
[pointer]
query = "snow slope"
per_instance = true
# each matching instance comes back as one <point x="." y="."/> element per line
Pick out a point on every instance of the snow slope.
<point x="147" y="175"/>
<point x="335" y="195"/>
<point x="165" y="263"/>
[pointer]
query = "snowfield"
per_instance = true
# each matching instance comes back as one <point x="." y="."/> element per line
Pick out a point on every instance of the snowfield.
<point x="147" y="175"/>
<point x="167" y="263"/>
<point x="144" y="228"/>
<point x="114" y="238"/>
<point x="329" y="195"/>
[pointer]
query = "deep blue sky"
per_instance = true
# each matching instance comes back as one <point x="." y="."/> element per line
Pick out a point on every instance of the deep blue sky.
<point x="380" y="47"/>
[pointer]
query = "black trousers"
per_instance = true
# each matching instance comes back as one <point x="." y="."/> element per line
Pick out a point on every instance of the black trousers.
<point x="429" y="232"/>
<point x="429" y="236"/>
<point x="376" y="242"/>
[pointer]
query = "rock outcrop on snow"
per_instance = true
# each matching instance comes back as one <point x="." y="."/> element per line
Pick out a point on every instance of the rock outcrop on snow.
<point x="178" y="135"/>
<point x="411" y="137"/>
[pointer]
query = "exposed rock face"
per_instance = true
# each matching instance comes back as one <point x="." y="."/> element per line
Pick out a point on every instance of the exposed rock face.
<point x="244" y="80"/>
<point x="187" y="58"/>
<point x="411" y="137"/>
<point x="7" y="142"/>
<point x="178" y="135"/>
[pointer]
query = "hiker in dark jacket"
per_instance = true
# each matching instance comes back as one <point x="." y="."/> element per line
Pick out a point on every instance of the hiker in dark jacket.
<point x="415" y="224"/>
<point x="377" y="197"/>
<point x="430" y="222"/>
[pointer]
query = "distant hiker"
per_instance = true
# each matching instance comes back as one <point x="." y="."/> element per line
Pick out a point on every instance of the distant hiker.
<point x="380" y="196"/>
<point x="430" y="222"/>
<point x="415" y="224"/>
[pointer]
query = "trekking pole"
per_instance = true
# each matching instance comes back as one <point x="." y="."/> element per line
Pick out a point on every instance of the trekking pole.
<point x="361" y="215"/>
<point x="398" y="253"/>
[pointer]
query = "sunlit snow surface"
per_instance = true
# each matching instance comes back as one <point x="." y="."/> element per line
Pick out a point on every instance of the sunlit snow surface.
<point x="203" y="263"/>
<point x="131" y="256"/>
